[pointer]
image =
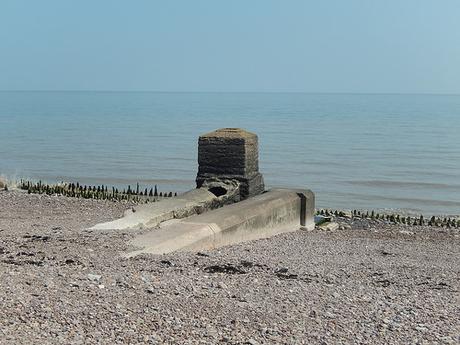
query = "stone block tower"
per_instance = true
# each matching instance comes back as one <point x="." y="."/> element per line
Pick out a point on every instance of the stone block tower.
<point x="230" y="154"/>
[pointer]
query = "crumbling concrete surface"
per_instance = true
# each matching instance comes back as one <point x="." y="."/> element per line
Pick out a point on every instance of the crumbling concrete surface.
<point x="195" y="201"/>
<point x="150" y="215"/>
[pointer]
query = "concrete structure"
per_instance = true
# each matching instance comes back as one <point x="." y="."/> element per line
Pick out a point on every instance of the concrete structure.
<point x="228" y="172"/>
<point x="268" y="214"/>
<point x="229" y="154"/>
<point x="150" y="215"/>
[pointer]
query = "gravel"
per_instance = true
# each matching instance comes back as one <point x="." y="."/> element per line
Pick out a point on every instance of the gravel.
<point x="369" y="283"/>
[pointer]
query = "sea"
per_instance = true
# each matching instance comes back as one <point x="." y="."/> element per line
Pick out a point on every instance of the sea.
<point x="390" y="152"/>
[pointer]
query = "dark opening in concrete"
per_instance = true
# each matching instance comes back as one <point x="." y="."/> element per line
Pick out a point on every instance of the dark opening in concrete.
<point x="218" y="191"/>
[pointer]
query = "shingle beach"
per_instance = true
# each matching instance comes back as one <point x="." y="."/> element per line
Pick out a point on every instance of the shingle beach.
<point x="371" y="283"/>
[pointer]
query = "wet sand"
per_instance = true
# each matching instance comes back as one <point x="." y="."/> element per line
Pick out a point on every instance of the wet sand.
<point x="373" y="283"/>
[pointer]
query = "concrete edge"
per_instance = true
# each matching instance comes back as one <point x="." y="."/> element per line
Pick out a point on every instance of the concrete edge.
<point x="266" y="215"/>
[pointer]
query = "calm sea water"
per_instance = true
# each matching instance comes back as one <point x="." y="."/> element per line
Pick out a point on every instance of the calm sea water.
<point x="353" y="150"/>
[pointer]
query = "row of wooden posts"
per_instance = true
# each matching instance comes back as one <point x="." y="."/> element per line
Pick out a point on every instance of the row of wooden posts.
<point x="101" y="192"/>
<point x="394" y="218"/>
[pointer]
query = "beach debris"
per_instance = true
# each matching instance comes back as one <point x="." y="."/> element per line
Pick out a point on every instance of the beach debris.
<point x="32" y="238"/>
<point x="283" y="273"/>
<point x="225" y="268"/>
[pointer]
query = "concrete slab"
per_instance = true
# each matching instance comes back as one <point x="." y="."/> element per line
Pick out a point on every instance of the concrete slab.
<point x="150" y="215"/>
<point x="268" y="214"/>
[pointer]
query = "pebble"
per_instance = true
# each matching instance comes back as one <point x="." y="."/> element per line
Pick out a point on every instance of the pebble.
<point x="352" y="286"/>
<point x="94" y="277"/>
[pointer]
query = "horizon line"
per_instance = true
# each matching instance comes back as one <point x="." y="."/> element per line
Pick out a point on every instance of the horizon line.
<point x="246" y="92"/>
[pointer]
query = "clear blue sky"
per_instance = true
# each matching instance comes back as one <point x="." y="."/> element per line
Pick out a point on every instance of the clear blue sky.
<point x="396" y="46"/>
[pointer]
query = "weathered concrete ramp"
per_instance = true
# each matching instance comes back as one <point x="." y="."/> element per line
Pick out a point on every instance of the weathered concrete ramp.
<point x="150" y="215"/>
<point x="271" y="213"/>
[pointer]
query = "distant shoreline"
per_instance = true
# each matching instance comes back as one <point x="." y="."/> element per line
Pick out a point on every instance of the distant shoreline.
<point x="247" y="92"/>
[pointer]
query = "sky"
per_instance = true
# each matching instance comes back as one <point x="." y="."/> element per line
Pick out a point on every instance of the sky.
<point x="350" y="46"/>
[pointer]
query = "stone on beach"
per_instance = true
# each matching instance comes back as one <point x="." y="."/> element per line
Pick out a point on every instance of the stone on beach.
<point x="3" y="183"/>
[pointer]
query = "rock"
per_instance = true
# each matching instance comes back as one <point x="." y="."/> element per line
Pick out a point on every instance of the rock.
<point x="330" y="226"/>
<point x="405" y="232"/>
<point x="94" y="277"/>
<point x="347" y="214"/>
<point x="329" y="315"/>
<point x="344" y="226"/>
<point x="421" y="328"/>
<point x="320" y="219"/>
